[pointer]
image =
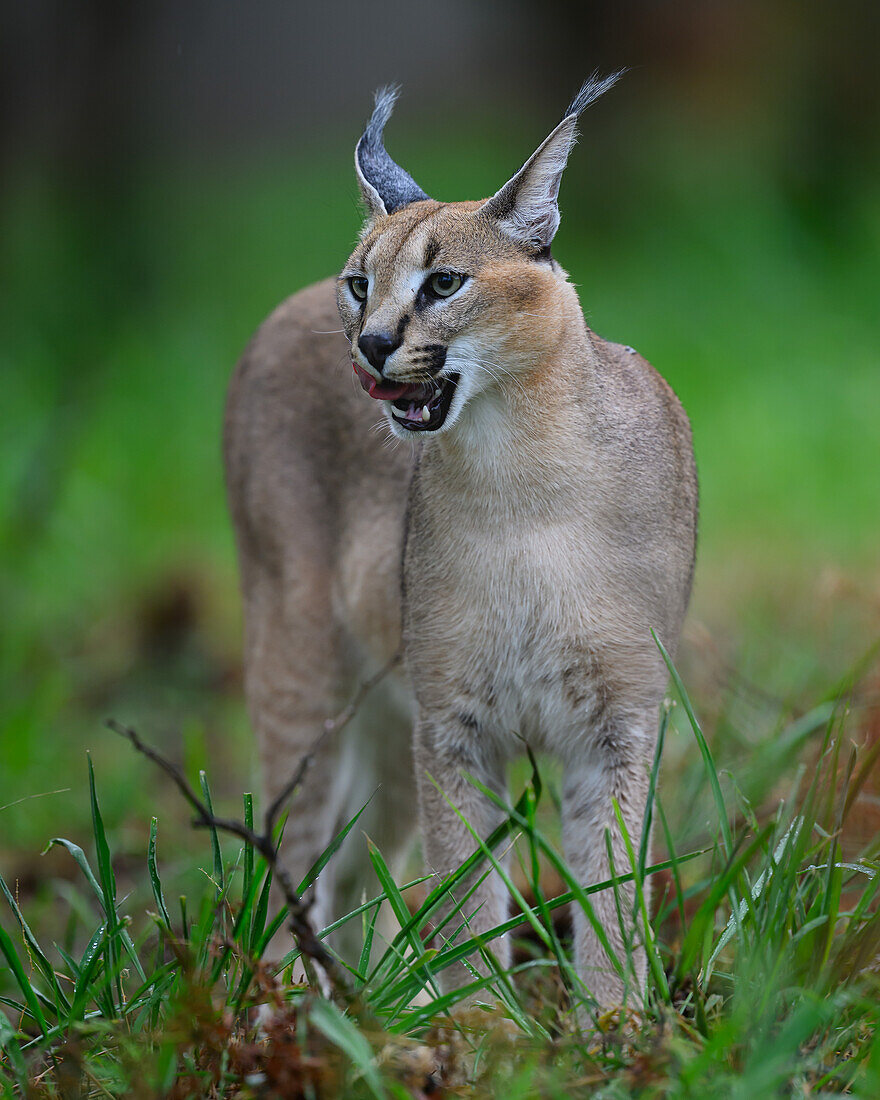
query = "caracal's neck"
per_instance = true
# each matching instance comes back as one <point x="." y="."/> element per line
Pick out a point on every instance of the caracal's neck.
<point x="517" y="446"/>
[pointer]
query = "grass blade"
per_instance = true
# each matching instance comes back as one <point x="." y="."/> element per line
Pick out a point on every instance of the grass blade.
<point x="87" y="966"/>
<point x="398" y="906"/>
<point x="184" y="920"/>
<point x="108" y="891"/>
<point x="247" y="894"/>
<point x="35" y="951"/>
<point x="705" y="751"/>
<point x="369" y="931"/>
<point x="330" y="851"/>
<point x="648" y="820"/>
<point x="155" y="881"/>
<point x="81" y="861"/>
<point x="9" y="1045"/>
<point x="105" y="867"/>
<point x="344" y="1034"/>
<point x="215" y="839"/>
<point x="30" y="996"/>
<point x="650" y="944"/>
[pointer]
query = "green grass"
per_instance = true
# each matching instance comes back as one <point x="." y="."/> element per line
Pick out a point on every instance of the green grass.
<point x="762" y="949"/>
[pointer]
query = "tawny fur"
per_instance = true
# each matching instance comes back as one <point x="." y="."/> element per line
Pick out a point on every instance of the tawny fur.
<point x="527" y="548"/>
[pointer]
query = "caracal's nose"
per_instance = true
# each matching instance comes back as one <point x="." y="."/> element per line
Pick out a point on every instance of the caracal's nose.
<point x="376" y="347"/>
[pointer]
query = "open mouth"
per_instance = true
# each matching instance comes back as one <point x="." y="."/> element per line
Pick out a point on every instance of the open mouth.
<point x="424" y="406"/>
<point x="416" y="406"/>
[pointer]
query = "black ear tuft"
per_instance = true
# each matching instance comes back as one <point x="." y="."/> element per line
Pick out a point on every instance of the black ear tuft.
<point x="526" y="206"/>
<point x="590" y="91"/>
<point x="385" y="185"/>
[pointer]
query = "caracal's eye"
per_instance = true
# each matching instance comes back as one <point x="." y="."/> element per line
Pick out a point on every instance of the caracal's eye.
<point x="443" y="284"/>
<point x="359" y="287"/>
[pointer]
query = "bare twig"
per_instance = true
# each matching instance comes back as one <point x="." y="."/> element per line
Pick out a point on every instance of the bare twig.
<point x="313" y="950"/>
<point x="309" y="943"/>
<point x="331" y="725"/>
<point x="334" y="725"/>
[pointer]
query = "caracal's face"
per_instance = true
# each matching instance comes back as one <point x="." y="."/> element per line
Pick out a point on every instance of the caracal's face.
<point x="443" y="310"/>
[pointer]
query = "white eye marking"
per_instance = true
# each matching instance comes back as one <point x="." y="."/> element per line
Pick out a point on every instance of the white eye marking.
<point x="414" y="282"/>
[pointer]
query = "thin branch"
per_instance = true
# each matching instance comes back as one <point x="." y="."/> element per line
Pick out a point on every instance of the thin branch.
<point x="309" y="943"/>
<point x="331" y="725"/>
<point x="334" y="725"/>
<point x="311" y="946"/>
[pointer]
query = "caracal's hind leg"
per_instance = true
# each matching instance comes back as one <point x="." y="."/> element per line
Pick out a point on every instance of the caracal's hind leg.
<point x="294" y="680"/>
<point x="378" y="755"/>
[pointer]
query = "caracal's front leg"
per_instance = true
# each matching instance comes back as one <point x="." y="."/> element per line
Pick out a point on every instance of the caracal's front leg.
<point x="614" y="765"/>
<point x="445" y="749"/>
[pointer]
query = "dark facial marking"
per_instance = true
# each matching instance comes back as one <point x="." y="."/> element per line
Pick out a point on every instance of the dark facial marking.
<point x="432" y="250"/>
<point x="429" y="351"/>
<point x="425" y="298"/>
<point x="432" y="208"/>
<point x="431" y="356"/>
<point x="367" y="249"/>
<point x="365" y="253"/>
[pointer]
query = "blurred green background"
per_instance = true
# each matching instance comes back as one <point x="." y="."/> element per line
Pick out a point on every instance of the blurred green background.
<point x="171" y="171"/>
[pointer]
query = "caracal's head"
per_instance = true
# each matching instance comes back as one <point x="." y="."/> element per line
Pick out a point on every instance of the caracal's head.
<point x="446" y="303"/>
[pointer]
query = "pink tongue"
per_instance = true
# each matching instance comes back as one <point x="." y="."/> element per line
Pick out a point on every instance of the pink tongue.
<point x="384" y="391"/>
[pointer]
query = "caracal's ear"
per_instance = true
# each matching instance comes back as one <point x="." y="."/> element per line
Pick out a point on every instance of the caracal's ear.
<point x="385" y="186"/>
<point x="525" y="207"/>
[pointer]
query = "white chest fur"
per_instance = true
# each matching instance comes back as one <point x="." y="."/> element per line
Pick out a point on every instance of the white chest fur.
<point x="507" y="609"/>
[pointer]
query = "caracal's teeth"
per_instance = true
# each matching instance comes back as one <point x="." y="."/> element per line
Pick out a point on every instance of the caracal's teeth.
<point x="426" y="414"/>
<point x="398" y="414"/>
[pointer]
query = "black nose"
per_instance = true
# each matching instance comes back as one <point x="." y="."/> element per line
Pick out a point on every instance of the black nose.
<point x="377" y="346"/>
